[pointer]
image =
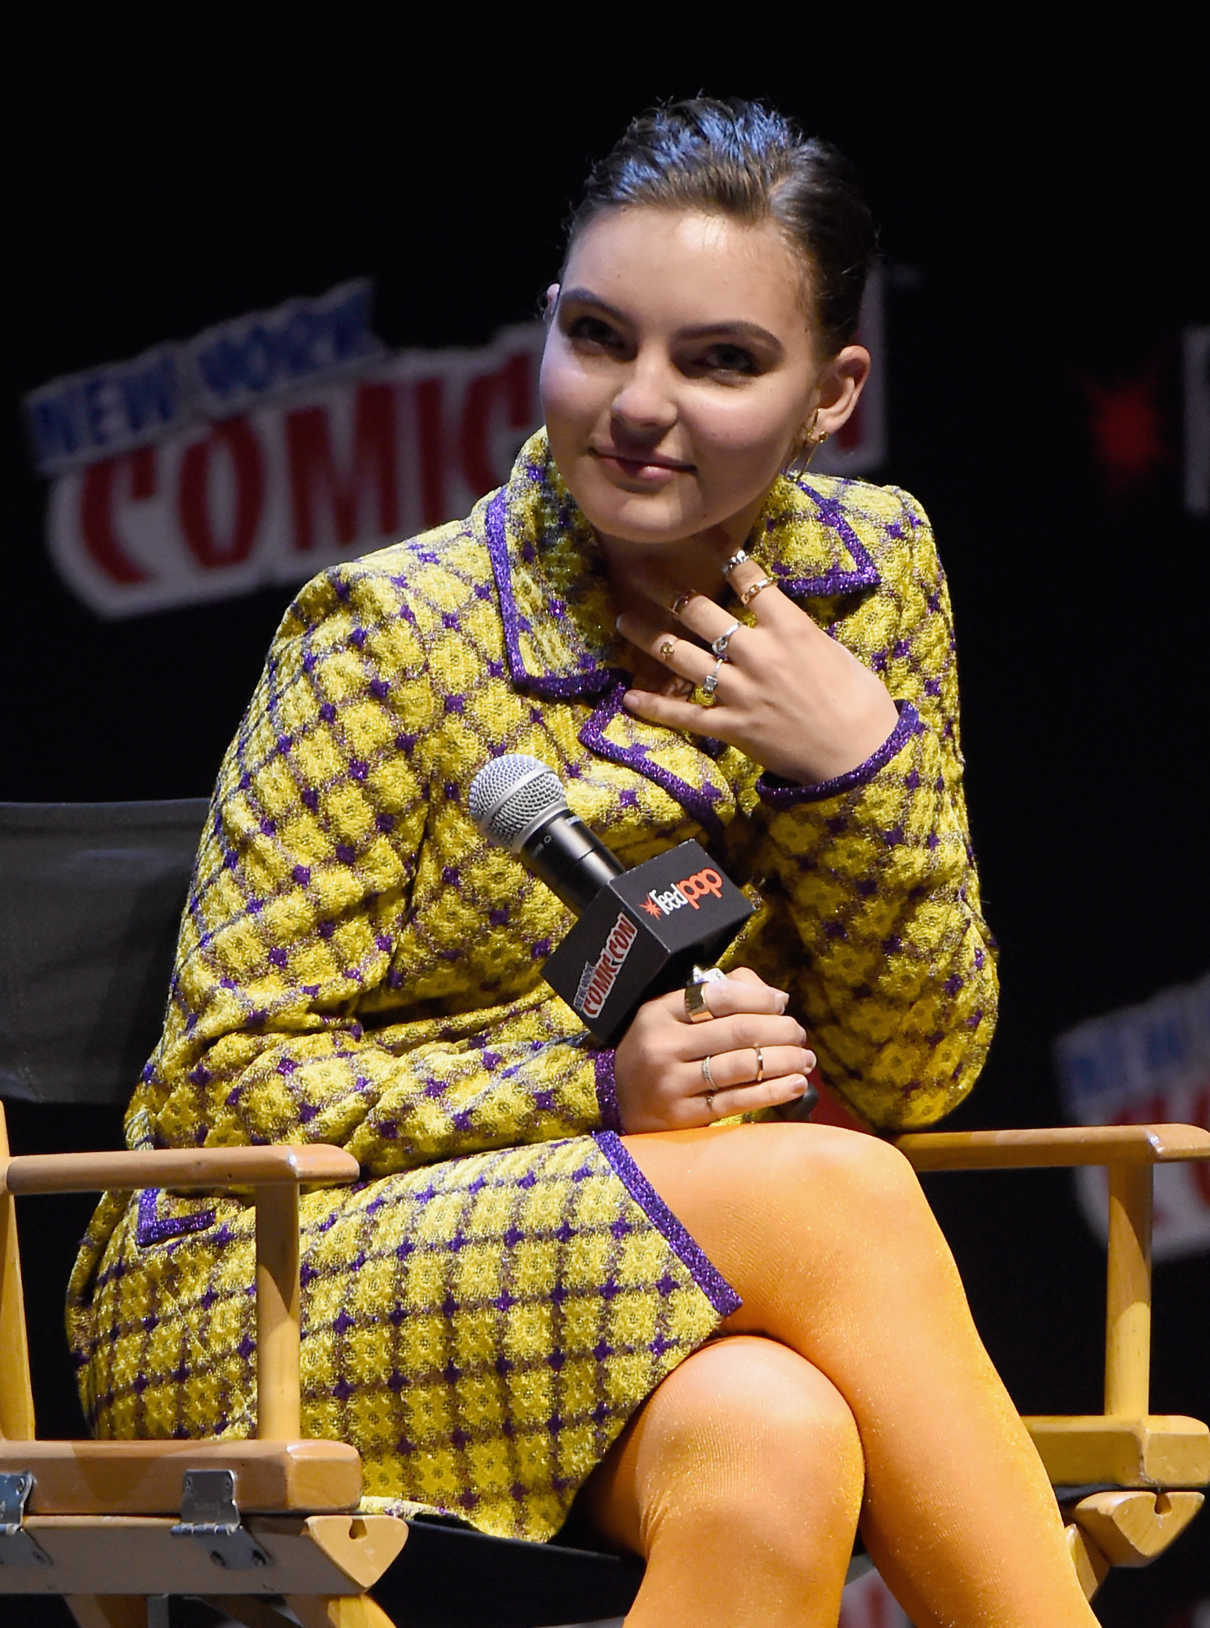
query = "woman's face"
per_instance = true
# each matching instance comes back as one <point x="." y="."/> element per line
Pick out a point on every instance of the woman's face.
<point x="680" y="373"/>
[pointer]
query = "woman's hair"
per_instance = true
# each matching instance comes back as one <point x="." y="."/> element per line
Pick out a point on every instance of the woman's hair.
<point x="740" y="159"/>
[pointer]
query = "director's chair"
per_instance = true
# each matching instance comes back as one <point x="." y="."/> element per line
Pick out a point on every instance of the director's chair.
<point x="91" y="894"/>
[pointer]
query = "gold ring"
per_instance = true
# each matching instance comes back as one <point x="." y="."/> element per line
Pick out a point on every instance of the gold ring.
<point x="753" y="588"/>
<point x="760" y="1064"/>
<point x="666" y="649"/>
<point x="681" y="600"/>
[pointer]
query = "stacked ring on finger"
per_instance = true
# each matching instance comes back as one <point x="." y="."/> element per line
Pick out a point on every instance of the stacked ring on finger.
<point x="753" y="588"/>
<point x="681" y="600"/>
<point x="710" y="682"/>
<point x="738" y="558"/>
<point x="719" y="645"/>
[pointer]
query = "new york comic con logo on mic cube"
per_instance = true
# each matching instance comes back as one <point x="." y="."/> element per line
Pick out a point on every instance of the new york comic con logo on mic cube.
<point x="642" y="935"/>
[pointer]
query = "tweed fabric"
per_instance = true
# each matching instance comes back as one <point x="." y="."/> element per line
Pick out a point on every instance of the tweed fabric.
<point x="357" y="965"/>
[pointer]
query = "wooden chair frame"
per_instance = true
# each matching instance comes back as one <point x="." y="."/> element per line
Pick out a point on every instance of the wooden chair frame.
<point x="1132" y="1476"/>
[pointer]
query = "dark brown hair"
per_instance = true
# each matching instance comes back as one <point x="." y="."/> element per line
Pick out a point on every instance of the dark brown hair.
<point x="741" y="159"/>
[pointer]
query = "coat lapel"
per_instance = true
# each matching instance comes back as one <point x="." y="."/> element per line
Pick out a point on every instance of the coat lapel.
<point x="558" y="617"/>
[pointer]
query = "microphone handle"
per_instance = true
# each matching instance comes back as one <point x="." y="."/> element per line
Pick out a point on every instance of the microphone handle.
<point x="572" y="862"/>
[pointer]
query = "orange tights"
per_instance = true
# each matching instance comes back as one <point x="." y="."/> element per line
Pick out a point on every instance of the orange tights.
<point x="850" y="1386"/>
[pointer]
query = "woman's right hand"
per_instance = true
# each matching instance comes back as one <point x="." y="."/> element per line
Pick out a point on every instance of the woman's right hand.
<point x="658" y="1073"/>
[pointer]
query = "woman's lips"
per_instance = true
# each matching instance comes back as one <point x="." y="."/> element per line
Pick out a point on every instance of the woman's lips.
<point x="645" y="468"/>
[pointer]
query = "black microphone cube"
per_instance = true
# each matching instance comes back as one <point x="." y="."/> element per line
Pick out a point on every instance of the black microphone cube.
<point x="642" y="935"/>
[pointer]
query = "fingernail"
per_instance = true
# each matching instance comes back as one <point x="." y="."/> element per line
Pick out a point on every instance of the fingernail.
<point x="811" y="1061"/>
<point x="785" y="1001"/>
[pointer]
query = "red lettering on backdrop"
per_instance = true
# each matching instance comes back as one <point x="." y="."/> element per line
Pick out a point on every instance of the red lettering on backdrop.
<point x="373" y="464"/>
<point x="238" y="440"/>
<point x="513" y="382"/>
<point x="97" y="529"/>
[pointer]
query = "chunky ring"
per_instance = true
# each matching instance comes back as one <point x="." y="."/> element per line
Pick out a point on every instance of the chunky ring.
<point x="696" y="1009"/>
<point x="738" y="558"/>
<point x="710" y="682"/>
<point x="666" y="649"/>
<point x="760" y="1064"/>
<point x="711" y="1088"/>
<point x="753" y="588"/>
<point x="681" y="600"/>
<point x="719" y="645"/>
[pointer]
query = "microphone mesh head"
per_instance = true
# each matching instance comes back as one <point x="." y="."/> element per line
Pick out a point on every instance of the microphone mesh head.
<point x="513" y="794"/>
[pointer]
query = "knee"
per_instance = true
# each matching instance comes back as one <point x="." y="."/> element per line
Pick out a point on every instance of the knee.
<point x="857" y="1175"/>
<point x="748" y="1440"/>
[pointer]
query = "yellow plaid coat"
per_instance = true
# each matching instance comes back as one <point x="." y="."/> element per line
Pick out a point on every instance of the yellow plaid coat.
<point x="356" y="965"/>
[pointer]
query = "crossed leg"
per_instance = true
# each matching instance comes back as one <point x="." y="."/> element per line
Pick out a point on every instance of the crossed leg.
<point x="827" y="1236"/>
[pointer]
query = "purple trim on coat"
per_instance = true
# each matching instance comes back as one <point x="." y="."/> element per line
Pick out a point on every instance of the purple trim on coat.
<point x="691" y="799"/>
<point x="784" y="793"/>
<point x="154" y="1229"/>
<point x="607" y="1090"/>
<point x="552" y="686"/>
<point x="835" y="580"/>
<point x="708" y="1278"/>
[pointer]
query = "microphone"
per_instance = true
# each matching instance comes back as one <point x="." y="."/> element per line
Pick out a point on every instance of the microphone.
<point x="518" y="802"/>
<point x="640" y="932"/>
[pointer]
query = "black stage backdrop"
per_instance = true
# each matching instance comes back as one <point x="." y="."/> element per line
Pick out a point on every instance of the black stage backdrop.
<point x="1042" y="267"/>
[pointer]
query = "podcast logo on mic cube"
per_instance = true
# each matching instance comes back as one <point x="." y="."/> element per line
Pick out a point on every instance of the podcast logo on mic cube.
<point x="642" y="934"/>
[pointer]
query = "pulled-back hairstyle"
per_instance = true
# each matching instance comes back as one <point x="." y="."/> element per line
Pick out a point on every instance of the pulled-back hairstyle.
<point x="742" y="160"/>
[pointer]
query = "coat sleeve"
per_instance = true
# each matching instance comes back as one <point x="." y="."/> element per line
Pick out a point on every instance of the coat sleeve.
<point x="289" y="1017"/>
<point x="896" y="979"/>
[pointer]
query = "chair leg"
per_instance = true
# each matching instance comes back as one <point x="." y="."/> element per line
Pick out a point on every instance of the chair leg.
<point x="108" y="1610"/>
<point x="338" y="1611"/>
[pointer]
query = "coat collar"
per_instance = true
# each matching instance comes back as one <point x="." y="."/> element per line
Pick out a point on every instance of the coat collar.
<point x="554" y="596"/>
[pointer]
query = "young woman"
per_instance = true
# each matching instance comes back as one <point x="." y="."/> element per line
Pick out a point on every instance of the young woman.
<point x="622" y="1279"/>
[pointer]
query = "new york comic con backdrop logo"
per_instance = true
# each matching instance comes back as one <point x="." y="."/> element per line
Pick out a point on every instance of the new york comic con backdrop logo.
<point x="276" y="443"/>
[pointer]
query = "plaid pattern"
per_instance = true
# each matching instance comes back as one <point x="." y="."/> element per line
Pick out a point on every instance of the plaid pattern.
<point x="357" y="965"/>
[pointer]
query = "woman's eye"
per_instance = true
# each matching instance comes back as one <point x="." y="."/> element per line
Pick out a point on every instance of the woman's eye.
<point x="729" y="359"/>
<point x="592" y="330"/>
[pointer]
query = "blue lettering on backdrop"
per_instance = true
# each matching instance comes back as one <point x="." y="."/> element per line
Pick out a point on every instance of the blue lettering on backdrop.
<point x="86" y="416"/>
<point x="274" y="350"/>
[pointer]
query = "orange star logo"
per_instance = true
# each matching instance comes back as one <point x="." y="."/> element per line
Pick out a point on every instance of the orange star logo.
<point x="651" y="907"/>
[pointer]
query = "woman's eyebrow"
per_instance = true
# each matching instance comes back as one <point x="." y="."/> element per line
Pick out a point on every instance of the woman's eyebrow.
<point x="736" y="326"/>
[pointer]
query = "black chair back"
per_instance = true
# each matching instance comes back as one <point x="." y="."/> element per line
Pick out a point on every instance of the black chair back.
<point x="90" y="901"/>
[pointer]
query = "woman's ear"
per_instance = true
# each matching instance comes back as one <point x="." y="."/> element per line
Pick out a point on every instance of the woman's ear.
<point x="550" y="302"/>
<point x="841" y="382"/>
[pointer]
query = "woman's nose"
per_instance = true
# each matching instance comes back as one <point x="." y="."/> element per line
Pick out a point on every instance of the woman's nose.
<point x="645" y="400"/>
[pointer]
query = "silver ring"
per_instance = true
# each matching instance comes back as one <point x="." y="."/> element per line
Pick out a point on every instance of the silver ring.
<point x="708" y="1097"/>
<point x="696" y="1009"/>
<point x="708" y="1077"/>
<point x="760" y="1064"/>
<point x="710" y="682"/>
<point x="738" y="558"/>
<point x="719" y="645"/>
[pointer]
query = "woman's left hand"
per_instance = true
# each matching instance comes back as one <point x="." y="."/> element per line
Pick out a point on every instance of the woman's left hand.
<point x="789" y="696"/>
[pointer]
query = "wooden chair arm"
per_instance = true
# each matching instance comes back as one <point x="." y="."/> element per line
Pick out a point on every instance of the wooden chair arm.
<point x="179" y="1168"/>
<point x="274" y="1174"/>
<point x="1063" y="1146"/>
